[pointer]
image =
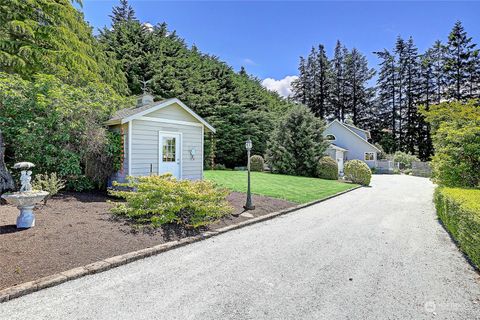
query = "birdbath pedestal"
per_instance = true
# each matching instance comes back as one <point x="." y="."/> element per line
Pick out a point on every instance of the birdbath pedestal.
<point x="26" y="199"/>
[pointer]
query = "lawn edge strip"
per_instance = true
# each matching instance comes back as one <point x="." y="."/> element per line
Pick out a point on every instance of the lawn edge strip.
<point x="25" y="288"/>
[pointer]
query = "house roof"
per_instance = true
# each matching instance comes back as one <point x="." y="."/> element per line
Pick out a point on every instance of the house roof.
<point x="129" y="114"/>
<point x="334" y="146"/>
<point x="353" y="133"/>
<point x="355" y="127"/>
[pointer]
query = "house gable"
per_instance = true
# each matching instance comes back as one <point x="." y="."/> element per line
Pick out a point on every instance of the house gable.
<point x="174" y="108"/>
<point x="347" y="139"/>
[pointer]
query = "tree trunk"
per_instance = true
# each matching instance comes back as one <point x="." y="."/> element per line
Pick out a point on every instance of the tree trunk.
<point x="6" y="181"/>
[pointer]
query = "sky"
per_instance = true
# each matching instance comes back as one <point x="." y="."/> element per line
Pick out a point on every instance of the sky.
<point x="268" y="37"/>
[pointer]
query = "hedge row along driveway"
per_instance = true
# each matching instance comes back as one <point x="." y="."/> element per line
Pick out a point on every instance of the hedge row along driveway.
<point x="291" y="188"/>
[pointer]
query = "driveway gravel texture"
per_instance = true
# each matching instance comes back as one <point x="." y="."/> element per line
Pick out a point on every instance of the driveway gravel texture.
<point x="373" y="253"/>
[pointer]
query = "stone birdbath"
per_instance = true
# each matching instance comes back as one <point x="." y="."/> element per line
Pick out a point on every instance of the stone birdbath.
<point x="26" y="198"/>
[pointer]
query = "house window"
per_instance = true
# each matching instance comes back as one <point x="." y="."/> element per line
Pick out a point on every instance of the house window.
<point x="168" y="149"/>
<point x="330" y="137"/>
<point x="369" y="156"/>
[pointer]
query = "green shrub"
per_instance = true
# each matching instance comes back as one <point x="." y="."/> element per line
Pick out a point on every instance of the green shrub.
<point x="159" y="200"/>
<point x="407" y="171"/>
<point x="219" y="166"/>
<point x="80" y="183"/>
<point x="297" y="143"/>
<point x="256" y="163"/>
<point x="459" y="210"/>
<point x="59" y="127"/>
<point x="358" y="172"/>
<point x="50" y="183"/>
<point x="456" y="139"/>
<point x="405" y="159"/>
<point x="327" y="168"/>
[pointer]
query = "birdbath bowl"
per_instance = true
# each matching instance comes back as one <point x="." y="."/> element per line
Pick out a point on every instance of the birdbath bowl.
<point x="26" y="198"/>
<point x="25" y="202"/>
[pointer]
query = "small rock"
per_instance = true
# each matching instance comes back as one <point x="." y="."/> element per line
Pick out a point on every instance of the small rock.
<point x="246" y="215"/>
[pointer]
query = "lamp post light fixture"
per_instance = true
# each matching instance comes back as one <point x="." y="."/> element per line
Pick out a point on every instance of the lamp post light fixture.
<point x="248" y="205"/>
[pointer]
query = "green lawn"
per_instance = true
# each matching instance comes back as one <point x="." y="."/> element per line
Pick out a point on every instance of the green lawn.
<point x="291" y="188"/>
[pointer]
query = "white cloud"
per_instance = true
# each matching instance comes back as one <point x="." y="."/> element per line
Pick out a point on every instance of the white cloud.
<point x="282" y="86"/>
<point x="250" y="62"/>
<point x="148" y="26"/>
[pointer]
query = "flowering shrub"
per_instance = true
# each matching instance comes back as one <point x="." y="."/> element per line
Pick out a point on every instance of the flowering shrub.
<point x="158" y="200"/>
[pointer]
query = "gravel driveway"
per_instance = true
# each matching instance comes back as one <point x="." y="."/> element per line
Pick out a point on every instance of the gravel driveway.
<point x="373" y="253"/>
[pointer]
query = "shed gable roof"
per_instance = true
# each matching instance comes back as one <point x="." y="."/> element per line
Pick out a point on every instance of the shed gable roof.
<point x="353" y="133"/>
<point x="129" y="114"/>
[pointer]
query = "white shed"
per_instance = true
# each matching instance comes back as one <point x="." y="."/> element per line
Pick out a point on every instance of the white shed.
<point x="160" y="137"/>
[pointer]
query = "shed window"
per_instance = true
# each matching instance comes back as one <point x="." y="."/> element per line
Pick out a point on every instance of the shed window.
<point x="369" y="156"/>
<point x="330" y="137"/>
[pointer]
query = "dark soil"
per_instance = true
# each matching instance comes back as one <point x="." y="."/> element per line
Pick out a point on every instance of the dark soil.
<point x="76" y="229"/>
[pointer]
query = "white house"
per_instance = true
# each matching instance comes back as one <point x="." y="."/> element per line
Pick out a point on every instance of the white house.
<point x="160" y="137"/>
<point x="348" y="142"/>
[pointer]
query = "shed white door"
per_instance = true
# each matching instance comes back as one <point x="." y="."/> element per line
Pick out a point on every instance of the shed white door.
<point x="170" y="153"/>
<point x="339" y="156"/>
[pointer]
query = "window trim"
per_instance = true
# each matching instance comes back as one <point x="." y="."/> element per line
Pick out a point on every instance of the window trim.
<point x="334" y="138"/>
<point x="365" y="156"/>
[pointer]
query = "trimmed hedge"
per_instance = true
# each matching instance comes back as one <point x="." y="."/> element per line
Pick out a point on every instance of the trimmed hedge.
<point x="459" y="210"/>
<point x="256" y="163"/>
<point x="357" y="171"/>
<point x="327" y="168"/>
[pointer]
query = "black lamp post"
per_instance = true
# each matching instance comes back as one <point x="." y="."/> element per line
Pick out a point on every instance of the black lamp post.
<point x="249" y="205"/>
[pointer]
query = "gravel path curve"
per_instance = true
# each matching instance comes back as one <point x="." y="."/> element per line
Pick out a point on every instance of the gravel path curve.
<point x="373" y="253"/>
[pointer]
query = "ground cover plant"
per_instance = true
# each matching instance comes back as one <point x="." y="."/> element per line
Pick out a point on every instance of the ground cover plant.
<point x="292" y="188"/>
<point x="159" y="200"/>
<point x="459" y="211"/>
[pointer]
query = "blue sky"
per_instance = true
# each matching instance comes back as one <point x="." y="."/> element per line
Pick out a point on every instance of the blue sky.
<point x="268" y="37"/>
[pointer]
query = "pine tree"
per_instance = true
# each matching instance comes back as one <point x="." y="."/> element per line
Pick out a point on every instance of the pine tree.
<point x="122" y="13"/>
<point x="338" y="91"/>
<point x="359" y="96"/>
<point x="300" y="85"/>
<point x="387" y="104"/>
<point x="458" y="60"/>
<point x="127" y="41"/>
<point x="428" y="92"/>
<point x="412" y="83"/>
<point x="312" y="88"/>
<point x="437" y="57"/>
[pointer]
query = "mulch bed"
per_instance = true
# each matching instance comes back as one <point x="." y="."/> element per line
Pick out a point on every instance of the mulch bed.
<point x="76" y="229"/>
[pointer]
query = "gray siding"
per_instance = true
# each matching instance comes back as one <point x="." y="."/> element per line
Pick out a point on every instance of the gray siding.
<point x="355" y="145"/>
<point x="359" y="132"/>
<point x="145" y="148"/>
<point x="173" y="112"/>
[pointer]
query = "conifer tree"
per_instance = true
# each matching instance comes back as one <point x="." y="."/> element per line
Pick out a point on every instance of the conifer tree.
<point x="459" y="54"/>
<point x="358" y="96"/>
<point x="338" y="91"/>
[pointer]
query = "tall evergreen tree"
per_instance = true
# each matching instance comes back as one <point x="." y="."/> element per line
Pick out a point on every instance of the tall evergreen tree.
<point x="412" y="83"/>
<point x="123" y="12"/>
<point x="312" y="88"/>
<point x="338" y="91"/>
<point x="386" y="99"/>
<point x="358" y="96"/>
<point x="460" y="52"/>
<point x="127" y="41"/>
